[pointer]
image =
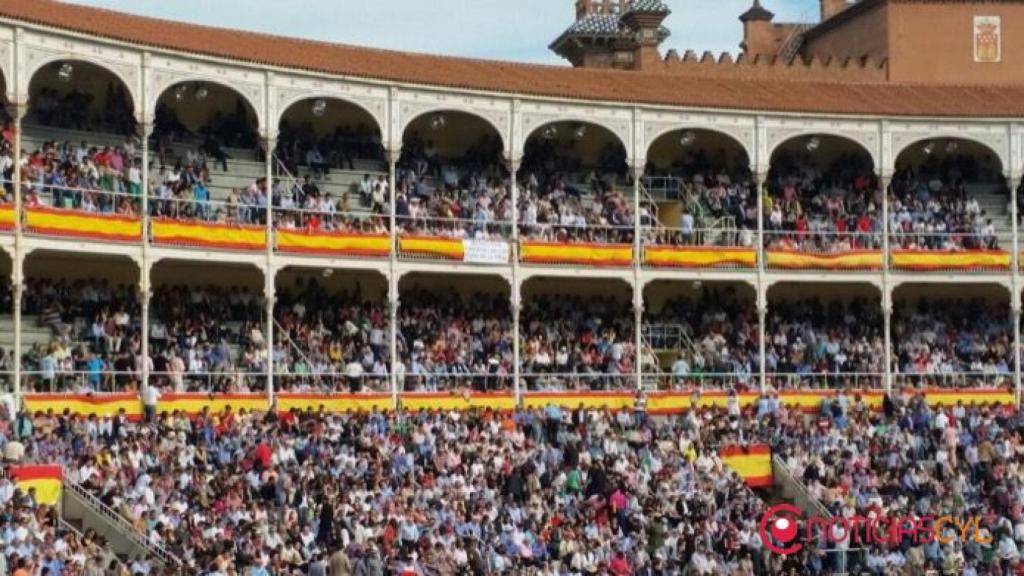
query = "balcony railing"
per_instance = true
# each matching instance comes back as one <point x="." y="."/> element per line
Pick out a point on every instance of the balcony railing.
<point x="112" y="216"/>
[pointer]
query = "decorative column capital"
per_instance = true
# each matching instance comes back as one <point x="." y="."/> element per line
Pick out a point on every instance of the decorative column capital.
<point x="17" y="110"/>
<point x="391" y="155"/>
<point x="144" y="129"/>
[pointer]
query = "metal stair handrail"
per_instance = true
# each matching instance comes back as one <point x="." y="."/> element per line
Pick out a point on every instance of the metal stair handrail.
<point x="119" y="522"/>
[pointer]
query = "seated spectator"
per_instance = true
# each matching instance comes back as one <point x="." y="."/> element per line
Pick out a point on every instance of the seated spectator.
<point x="811" y="343"/>
<point x="571" y="342"/>
<point x="448" y="341"/>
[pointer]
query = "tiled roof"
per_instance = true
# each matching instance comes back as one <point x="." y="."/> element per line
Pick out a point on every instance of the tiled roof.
<point x="649" y="6"/>
<point x="548" y="81"/>
<point x="756" y="13"/>
<point x="603" y="24"/>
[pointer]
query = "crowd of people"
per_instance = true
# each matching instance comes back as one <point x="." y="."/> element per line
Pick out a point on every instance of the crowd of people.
<point x="952" y="342"/>
<point x="714" y="334"/>
<point x="331" y="341"/>
<point x="815" y="343"/>
<point x="452" y="341"/>
<point x="301" y="146"/>
<point x="931" y="208"/>
<point x="543" y="492"/>
<point x="577" y="343"/>
<point x="917" y="463"/>
<point x="829" y="209"/>
<point x="96" y="179"/>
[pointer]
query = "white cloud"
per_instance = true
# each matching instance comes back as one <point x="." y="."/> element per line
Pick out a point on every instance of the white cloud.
<point x="499" y="29"/>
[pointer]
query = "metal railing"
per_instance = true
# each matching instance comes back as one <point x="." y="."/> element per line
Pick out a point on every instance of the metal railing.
<point x="470" y="228"/>
<point x="120" y="524"/>
<point x="668" y="381"/>
<point x="315" y="380"/>
<point x="732" y="237"/>
<point x="440" y="382"/>
<point x="576" y="233"/>
<point x="542" y="382"/>
<point x="362" y="222"/>
<point x="84" y="200"/>
<point x="952" y="380"/>
<point x="822" y="242"/>
<point x="825" y="381"/>
<point x="239" y="213"/>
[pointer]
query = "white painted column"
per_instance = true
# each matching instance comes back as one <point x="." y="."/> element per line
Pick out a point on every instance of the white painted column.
<point x="761" y="288"/>
<point x="269" y="294"/>
<point x="516" y="296"/>
<point x="18" y="111"/>
<point x="394" y="301"/>
<point x="1015" y="299"/>
<point x="145" y="288"/>
<point x="638" y="289"/>
<point x="887" y="289"/>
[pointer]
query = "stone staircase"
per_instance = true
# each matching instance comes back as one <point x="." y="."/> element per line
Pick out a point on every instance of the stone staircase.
<point x="83" y="511"/>
<point x="996" y="205"/>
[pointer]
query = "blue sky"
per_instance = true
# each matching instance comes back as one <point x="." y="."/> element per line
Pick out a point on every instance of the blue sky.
<point x="498" y="29"/>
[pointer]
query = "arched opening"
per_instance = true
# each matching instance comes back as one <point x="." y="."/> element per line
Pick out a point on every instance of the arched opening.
<point x="577" y="335"/>
<point x="79" y="137"/>
<point x="700" y="183"/>
<point x="952" y="339"/>
<point x="330" y="151"/>
<point x="332" y="330"/>
<point x="87" y="337"/>
<point x="701" y="335"/>
<point x="81" y="96"/>
<point x="824" y="339"/>
<point x="207" y="327"/>
<point x="822" y="196"/>
<point x="453" y="178"/>
<point x="574" y="185"/>
<point x="455" y="334"/>
<point x="206" y="140"/>
<point x="948" y="195"/>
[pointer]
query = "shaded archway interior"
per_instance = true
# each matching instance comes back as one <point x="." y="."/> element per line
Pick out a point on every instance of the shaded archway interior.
<point x="573" y="147"/>
<point x="195" y="111"/>
<point x="686" y="152"/>
<point x="73" y="266"/>
<point x="825" y="152"/>
<point x="367" y="286"/>
<point x="451" y="137"/>
<point x="345" y="134"/>
<point x="79" y="95"/>
<point x="951" y="159"/>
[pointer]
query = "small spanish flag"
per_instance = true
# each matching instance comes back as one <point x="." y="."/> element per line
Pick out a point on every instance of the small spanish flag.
<point x="45" y="479"/>
<point x="753" y="464"/>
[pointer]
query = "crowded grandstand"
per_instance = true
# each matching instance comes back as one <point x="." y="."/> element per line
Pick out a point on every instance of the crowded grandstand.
<point x="277" y="307"/>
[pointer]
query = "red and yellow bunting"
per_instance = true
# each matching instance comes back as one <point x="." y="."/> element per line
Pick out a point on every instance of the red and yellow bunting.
<point x="587" y="400"/>
<point x="333" y="243"/>
<point x="446" y="248"/>
<point x="200" y="234"/>
<point x="699" y="257"/>
<point x="8" y="218"/>
<point x="849" y="260"/>
<point x="428" y="401"/>
<point x="752" y="463"/>
<point x="46" y="480"/>
<point x="968" y="396"/>
<point x="333" y="403"/>
<point x="582" y="254"/>
<point x="927" y="261"/>
<point x="74" y="224"/>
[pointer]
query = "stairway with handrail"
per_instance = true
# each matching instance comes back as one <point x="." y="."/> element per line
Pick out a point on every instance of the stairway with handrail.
<point x="81" y="506"/>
